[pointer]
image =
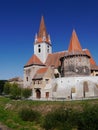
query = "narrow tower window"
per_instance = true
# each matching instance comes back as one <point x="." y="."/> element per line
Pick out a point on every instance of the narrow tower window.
<point x="48" y="48"/>
<point x="39" y="48"/>
<point x="26" y="78"/>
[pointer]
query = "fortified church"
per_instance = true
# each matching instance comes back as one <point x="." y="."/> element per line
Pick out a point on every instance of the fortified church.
<point x="71" y="74"/>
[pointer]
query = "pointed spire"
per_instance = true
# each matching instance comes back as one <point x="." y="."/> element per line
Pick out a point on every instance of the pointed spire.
<point x="74" y="43"/>
<point x="42" y="28"/>
<point x="42" y="34"/>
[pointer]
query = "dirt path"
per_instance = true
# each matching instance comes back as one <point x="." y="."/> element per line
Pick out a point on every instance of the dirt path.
<point x="3" y="127"/>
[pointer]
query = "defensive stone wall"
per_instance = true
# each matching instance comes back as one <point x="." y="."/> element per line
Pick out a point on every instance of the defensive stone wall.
<point x="76" y="87"/>
<point x="76" y="65"/>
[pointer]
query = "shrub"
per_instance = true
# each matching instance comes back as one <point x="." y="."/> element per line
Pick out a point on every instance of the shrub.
<point x="26" y="92"/>
<point x="7" y="87"/>
<point x="88" y="118"/>
<point x="15" y="91"/>
<point x="27" y="114"/>
<point x="59" y="119"/>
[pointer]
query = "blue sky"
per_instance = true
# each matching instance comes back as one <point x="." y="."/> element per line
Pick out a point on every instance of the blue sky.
<point x="20" y="19"/>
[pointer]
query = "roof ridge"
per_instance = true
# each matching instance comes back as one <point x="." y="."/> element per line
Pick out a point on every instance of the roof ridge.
<point x="34" y="60"/>
<point x="58" y="52"/>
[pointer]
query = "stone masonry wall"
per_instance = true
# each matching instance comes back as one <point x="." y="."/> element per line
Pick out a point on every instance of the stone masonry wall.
<point x="76" y="65"/>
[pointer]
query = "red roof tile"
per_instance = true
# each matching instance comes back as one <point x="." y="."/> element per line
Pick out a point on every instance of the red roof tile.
<point x="74" y="43"/>
<point x="42" y="28"/>
<point x="40" y="73"/>
<point x="42" y="70"/>
<point x="94" y="67"/>
<point x="54" y="59"/>
<point x="34" y="60"/>
<point x="42" y="32"/>
<point x="91" y="58"/>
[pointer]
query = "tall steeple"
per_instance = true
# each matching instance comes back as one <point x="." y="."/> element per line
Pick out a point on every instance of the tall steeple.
<point x="42" y="44"/>
<point x="42" y="35"/>
<point x="74" y="45"/>
<point x="42" y="28"/>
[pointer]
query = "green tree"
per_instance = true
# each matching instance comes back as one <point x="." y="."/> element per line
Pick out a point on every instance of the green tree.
<point x="15" y="91"/>
<point x="7" y="87"/>
<point x="26" y="92"/>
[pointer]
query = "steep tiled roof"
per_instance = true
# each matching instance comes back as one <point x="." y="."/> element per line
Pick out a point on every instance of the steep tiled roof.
<point x="54" y="59"/>
<point x="94" y="67"/>
<point x="40" y="73"/>
<point x="42" y="70"/>
<point x="42" y="33"/>
<point x="91" y="58"/>
<point x="42" y="28"/>
<point x="74" y="43"/>
<point x="34" y="60"/>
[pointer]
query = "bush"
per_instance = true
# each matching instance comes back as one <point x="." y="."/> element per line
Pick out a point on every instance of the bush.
<point x="7" y="87"/>
<point x="27" y="114"/>
<point x="88" y="119"/>
<point x="26" y="92"/>
<point x="59" y="119"/>
<point x="15" y="91"/>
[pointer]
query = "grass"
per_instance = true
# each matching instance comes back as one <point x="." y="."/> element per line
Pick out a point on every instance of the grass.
<point x="9" y="110"/>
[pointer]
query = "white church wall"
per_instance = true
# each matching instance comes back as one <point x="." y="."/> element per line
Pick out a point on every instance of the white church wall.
<point x="64" y="86"/>
<point x="45" y="49"/>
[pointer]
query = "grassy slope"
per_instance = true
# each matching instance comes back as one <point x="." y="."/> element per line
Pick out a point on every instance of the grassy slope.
<point x="9" y="110"/>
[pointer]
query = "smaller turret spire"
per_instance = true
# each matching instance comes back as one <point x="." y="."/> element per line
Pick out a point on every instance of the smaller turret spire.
<point x="35" y="37"/>
<point x="74" y="43"/>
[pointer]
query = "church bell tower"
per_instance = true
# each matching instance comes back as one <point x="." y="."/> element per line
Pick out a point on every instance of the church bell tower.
<point x="42" y="43"/>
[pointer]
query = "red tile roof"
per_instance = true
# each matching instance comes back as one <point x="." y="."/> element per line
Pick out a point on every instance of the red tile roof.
<point x="94" y="67"/>
<point x="54" y="59"/>
<point x="74" y="43"/>
<point x="91" y="58"/>
<point x="42" y="70"/>
<point x="40" y="73"/>
<point x="34" y="60"/>
<point x="42" y="32"/>
<point x="42" y="28"/>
